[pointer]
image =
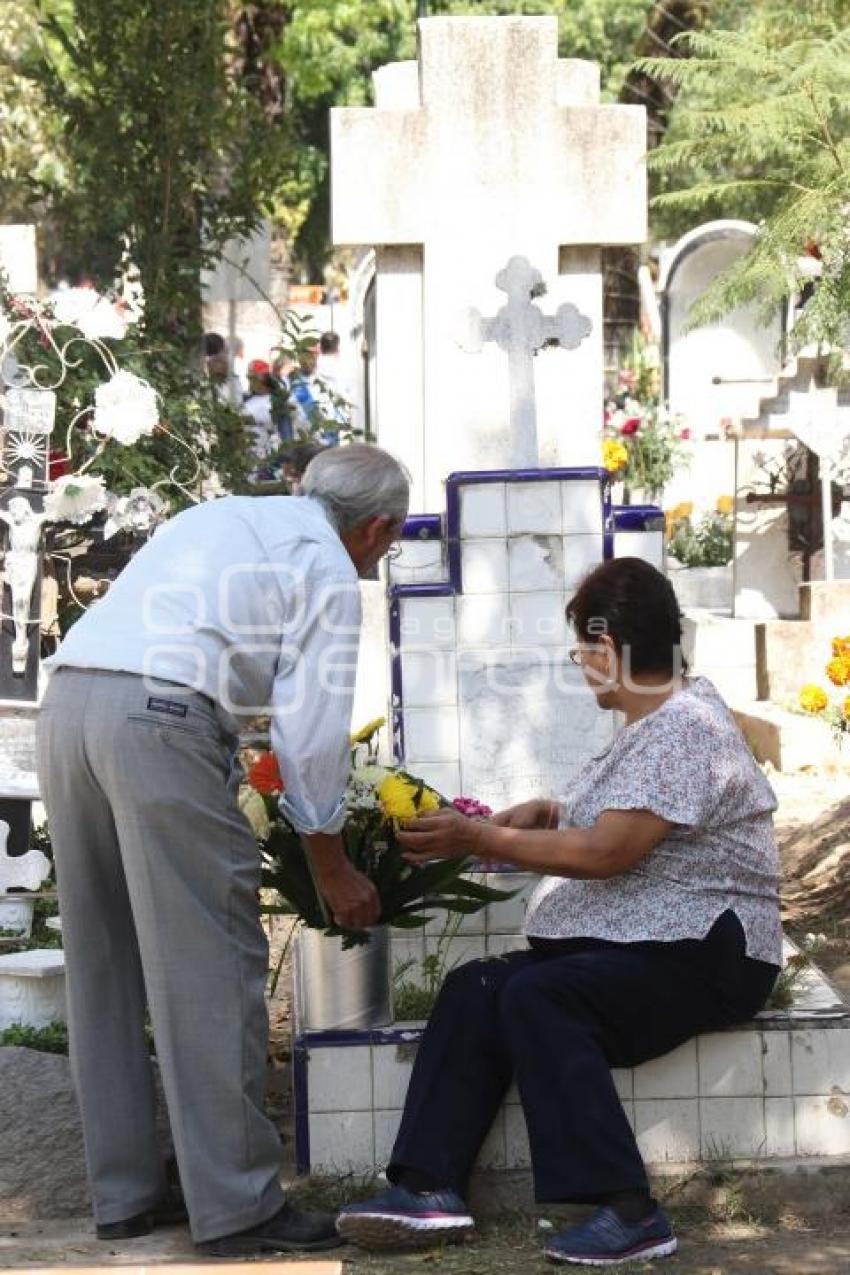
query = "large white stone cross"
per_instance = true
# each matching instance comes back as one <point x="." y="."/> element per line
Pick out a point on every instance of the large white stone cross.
<point x="491" y="148"/>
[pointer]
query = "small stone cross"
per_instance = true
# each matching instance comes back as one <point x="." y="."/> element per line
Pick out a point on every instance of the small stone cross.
<point x="521" y="329"/>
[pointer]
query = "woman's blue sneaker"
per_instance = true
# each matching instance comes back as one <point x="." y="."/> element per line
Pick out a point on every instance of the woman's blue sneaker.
<point x="398" y="1218"/>
<point x="605" y="1240"/>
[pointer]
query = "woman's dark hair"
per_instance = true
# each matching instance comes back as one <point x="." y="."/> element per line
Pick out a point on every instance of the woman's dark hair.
<point x="634" y="604"/>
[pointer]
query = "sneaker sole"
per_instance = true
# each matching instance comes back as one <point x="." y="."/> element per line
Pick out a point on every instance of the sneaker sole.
<point x="236" y="1247"/>
<point x="662" y="1248"/>
<point x="388" y="1230"/>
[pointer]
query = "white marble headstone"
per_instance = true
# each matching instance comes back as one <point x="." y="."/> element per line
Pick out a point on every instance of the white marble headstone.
<point x="22" y="871"/>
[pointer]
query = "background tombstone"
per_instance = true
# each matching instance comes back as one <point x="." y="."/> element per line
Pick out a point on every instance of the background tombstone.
<point x="18" y="257"/>
<point x="718" y="372"/>
<point x="450" y="181"/>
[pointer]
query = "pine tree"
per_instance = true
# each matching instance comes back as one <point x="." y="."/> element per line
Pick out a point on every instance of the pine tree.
<point x="763" y="128"/>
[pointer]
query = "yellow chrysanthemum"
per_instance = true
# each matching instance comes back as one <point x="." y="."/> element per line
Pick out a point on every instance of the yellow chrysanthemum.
<point x="841" y="647"/>
<point x="725" y="504"/>
<point x="838" y="670"/>
<point x="365" y="733"/>
<point x="614" y="455"/>
<point x="398" y="798"/>
<point x="813" y="698"/>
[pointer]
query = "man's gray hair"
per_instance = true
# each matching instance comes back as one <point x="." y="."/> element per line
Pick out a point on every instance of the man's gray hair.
<point x="356" y="482"/>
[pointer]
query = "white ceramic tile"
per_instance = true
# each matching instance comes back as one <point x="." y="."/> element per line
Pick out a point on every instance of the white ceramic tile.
<point x="502" y="944"/>
<point x="492" y="1154"/>
<point x="778" y="1123"/>
<point x="342" y="1143"/>
<point x="647" y="545"/>
<point x="443" y="776"/>
<point x="427" y="622"/>
<point x="419" y="562"/>
<point x="482" y="510"/>
<point x="340" y="1077"/>
<point x="624" y="1083"/>
<point x="537" y="619"/>
<point x="386" y="1129"/>
<point x="820" y="1060"/>
<point x="391" y="1068"/>
<point x="581" y="554"/>
<point x="582" y="507"/>
<point x="428" y="677"/>
<point x="484" y="566"/>
<point x="730" y="1064"/>
<point x="732" y="1128"/>
<point x="483" y="619"/>
<point x="536" y="564"/>
<point x="822" y="1125"/>
<point x="407" y="946"/>
<point x="629" y="1113"/>
<point x="667" y="1130"/>
<point x="776" y="1048"/>
<point x="517" y="1154"/>
<point x="507" y="916"/>
<point x="447" y="925"/>
<point x="457" y="951"/>
<point x="534" y="508"/>
<point x="430" y="734"/>
<point x="674" y="1075"/>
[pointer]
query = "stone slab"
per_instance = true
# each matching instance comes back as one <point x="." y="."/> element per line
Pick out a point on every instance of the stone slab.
<point x="789" y="741"/>
<point x="39" y="963"/>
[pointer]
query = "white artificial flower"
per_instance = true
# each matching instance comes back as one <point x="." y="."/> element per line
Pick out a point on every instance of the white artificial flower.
<point x="75" y="498"/>
<point x="125" y="408"/>
<point x="137" y="513"/>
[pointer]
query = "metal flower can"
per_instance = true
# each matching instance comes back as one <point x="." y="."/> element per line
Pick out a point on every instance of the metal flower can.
<point x="344" y="990"/>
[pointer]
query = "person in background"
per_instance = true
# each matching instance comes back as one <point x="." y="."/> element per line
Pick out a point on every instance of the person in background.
<point x="330" y="390"/>
<point x="258" y="407"/>
<point x="656" y="919"/>
<point x="295" y="462"/>
<point x="225" y="385"/>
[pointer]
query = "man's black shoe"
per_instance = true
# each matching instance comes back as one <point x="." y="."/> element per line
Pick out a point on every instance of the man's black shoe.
<point x="289" y="1230"/>
<point x="170" y="1211"/>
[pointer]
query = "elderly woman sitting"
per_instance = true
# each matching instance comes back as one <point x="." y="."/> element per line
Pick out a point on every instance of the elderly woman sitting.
<point x="656" y="918"/>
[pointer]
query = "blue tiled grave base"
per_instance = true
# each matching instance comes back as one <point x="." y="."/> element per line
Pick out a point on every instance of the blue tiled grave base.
<point x="774" y="1089"/>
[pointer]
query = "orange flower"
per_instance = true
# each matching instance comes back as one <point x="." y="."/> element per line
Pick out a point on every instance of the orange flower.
<point x="841" y="647"/>
<point x="264" y="776"/>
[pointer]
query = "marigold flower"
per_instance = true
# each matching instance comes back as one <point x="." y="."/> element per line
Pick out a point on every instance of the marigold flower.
<point x="725" y="505"/>
<point x="265" y="776"/>
<point x="365" y="733"/>
<point x="838" y="670"/>
<point x="841" y="647"/>
<point x="403" y="798"/>
<point x="813" y="698"/>
<point x="614" y="455"/>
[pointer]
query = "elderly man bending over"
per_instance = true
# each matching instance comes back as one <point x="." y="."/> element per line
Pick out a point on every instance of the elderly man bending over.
<point x="241" y="606"/>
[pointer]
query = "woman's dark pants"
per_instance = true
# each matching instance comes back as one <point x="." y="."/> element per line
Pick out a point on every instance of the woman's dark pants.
<point x="558" y="1017"/>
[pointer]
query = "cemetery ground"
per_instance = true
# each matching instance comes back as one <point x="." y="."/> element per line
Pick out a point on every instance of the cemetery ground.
<point x="760" y="1221"/>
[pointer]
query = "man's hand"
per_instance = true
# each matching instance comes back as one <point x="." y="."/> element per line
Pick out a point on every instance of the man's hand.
<point x="351" y="897"/>
<point x="528" y="814"/>
<point x="446" y="834"/>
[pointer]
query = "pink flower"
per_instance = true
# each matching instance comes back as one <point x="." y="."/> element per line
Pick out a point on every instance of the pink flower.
<point x="684" y="434"/>
<point x="472" y="808"/>
<point x="630" y="426"/>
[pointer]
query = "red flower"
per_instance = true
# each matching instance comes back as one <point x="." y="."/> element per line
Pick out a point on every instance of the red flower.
<point x="58" y="465"/>
<point x="630" y="426"/>
<point x="684" y="434"/>
<point x="264" y="775"/>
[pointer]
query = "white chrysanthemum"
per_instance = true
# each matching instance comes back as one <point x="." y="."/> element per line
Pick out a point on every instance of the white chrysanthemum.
<point x="125" y="409"/>
<point x="75" y="498"/>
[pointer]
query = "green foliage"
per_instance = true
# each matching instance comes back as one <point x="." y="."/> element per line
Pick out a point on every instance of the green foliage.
<point x="52" y="1039"/>
<point x="762" y="129"/>
<point x="706" y="543"/>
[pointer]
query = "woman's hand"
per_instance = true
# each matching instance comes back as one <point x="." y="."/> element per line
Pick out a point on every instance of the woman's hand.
<point x="528" y="814"/>
<point x="445" y="834"/>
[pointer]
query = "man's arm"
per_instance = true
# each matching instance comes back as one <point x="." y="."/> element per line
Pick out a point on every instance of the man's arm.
<point x="310" y="729"/>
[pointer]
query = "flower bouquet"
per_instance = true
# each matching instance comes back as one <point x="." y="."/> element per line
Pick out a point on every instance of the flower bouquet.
<point x="378" y="799"/>
<point x="817" y="702"/>
<point x="642" y="445"/>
